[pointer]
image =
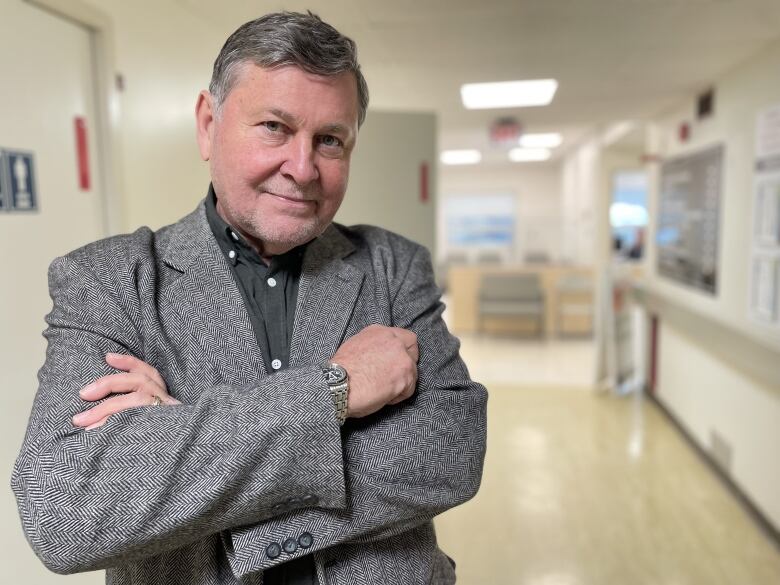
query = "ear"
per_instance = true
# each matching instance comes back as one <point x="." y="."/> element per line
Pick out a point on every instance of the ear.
<point x="204" y="121"/>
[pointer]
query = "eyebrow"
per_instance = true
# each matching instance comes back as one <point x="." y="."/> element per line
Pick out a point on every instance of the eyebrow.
<point x="333" y="128"/>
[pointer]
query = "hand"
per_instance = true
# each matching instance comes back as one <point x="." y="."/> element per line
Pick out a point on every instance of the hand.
<point x="138" y="386"/>
<point x="382" y="366"/>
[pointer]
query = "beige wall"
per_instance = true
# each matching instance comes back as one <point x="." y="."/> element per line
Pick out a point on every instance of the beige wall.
<point x="384" y="181"/>
<point x="537" y="189"/>
<point x="711" y="398"/>
<point x="581" y="191"/>
<point x="706" y="394"/>
<point x="164" y="54"/>
<point x="166" y="60"/>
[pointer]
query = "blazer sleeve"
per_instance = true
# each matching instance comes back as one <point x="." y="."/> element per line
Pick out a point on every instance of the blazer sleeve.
<point x="154" y="479"/>
<point x="405" y="464"/>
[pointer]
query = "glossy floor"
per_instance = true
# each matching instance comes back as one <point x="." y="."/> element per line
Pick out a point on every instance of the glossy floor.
<point x="581" y="488"/>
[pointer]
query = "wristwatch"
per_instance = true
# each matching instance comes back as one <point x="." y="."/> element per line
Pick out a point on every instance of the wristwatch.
<point x="337" y="379"/>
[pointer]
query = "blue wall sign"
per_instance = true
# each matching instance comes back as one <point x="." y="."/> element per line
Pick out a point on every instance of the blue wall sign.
<point x="17" y="181"/>
<point x="4" y="189"/>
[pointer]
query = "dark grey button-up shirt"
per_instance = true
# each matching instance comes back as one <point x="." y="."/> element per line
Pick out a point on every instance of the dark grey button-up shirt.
<point x="270" y="293"/>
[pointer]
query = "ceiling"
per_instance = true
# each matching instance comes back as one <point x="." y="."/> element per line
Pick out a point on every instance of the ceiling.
<point x="614" y="59"/>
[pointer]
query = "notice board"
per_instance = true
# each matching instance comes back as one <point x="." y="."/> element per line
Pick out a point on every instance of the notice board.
<point x="689" y="219"/>
<point x="765" y="249"/>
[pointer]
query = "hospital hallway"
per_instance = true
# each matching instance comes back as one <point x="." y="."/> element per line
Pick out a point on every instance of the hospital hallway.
<point x="587" y="488"/>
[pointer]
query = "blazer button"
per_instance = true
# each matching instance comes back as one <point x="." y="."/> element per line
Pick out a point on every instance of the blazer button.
<point x="306" y="540"/>
<point x="309" y="500"/>
<point x="273" y="550"/>
<point x="290" y="546"/>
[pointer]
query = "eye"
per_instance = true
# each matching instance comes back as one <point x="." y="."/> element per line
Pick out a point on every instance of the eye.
<point x="331" y="141"/>
<point x="272" y="126"/>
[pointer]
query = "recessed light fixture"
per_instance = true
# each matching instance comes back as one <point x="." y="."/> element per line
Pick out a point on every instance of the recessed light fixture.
<point x="508" y="94"/>
<point x="529" y="154"/>
<point x="460" y="157"/>
<point x="549" y="140"/>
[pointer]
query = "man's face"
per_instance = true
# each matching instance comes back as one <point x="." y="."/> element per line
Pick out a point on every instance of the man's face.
<point x="279" y="151"/>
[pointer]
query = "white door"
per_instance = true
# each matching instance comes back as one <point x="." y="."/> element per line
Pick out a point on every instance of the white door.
<point x="46" y="81"/>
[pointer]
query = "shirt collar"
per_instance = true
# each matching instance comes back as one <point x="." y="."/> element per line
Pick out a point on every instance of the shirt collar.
<point x="234" y="245"/>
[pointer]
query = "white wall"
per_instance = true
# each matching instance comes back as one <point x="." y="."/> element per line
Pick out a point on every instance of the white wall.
<point x="582" y="184"/>
<point x="707" y="395"/>
<point x="165" y="55"/>
<point x="704" y="393"/>
<point x="384" y="180"/>
<point x="166" y="60"/>
<point x="739" y="97"/>
<point x="537" y="189"/>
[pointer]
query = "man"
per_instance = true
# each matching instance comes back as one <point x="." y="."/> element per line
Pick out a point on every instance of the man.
<point x="289" y="407"/>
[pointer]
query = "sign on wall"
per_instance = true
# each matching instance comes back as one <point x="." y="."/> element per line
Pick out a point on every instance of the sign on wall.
<point x="17" y="181"/>
<point x="765" y="249"/>
<point x="689" y="219"/>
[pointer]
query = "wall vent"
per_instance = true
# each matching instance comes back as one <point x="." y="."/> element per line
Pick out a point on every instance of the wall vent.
<point x="721" y="451"/>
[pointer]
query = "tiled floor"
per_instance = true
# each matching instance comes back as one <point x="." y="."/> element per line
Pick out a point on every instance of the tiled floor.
<point x="555" y="362"/>
<point x="581" y="488"/>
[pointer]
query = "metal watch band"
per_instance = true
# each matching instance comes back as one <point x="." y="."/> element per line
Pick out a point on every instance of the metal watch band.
<point x="337" y="380"/>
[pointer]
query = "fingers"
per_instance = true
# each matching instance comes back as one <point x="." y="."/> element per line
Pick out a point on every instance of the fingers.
<point x="96" y="416"/>
<point x="116" y="384"/>
<point x="130" y="363"/>
<point x="409" y="339"/>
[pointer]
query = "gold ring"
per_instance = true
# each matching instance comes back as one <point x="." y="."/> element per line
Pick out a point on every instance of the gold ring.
<point x="157" y="401"/>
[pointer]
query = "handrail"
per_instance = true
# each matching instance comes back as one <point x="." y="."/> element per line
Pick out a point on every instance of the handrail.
<point x="741" y="350"/>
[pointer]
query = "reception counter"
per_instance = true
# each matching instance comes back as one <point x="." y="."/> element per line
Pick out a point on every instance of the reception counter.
<point x="567" y="310"/>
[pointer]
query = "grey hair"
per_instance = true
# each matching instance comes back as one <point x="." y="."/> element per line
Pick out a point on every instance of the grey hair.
<point x="287" y="38"/>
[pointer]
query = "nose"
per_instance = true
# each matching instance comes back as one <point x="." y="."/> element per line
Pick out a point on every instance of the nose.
<point x="299" y="163"/>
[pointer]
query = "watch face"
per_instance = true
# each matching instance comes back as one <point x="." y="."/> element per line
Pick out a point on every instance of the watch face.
<point x="334" y="374"/>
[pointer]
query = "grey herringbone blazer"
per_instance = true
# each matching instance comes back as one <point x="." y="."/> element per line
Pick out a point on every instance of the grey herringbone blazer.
<point x="193" y="494"/>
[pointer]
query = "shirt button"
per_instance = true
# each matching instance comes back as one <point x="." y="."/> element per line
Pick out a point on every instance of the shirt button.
<point x="273" y="550"/>
<point x="232" y="254"/>
<point x="276" y="364"/>
<point x="271" y="281"/>
<point x="290" y="546"/>
<point x="234" y="236"/>
<point x="306" y="540"/>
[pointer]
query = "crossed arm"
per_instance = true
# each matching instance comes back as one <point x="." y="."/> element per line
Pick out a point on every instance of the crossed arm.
<point x="154" y="479"/>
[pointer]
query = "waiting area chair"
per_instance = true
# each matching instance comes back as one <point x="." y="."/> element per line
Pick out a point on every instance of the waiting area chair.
<point x="515" y="296"/>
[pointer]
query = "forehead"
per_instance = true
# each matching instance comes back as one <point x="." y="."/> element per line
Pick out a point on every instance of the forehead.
<point x="290" y="88"/>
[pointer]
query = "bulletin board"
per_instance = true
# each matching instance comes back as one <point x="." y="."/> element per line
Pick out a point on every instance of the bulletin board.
<point x="689" y="219"/>
<point x="765" y="248"/>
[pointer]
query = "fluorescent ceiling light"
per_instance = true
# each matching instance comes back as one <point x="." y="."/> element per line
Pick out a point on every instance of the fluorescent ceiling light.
<point x="550" y="140"/>
<point x="529" y="154"/>
<point x="460" y="157"/>
<point x="617" y="132"/>
<point x="508" y="94"/>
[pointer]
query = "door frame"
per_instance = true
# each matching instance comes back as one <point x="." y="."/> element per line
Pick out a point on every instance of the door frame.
<point x="107" y="126"/>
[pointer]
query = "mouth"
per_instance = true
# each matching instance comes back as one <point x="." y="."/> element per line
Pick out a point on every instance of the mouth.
<point x="292" y="199"/>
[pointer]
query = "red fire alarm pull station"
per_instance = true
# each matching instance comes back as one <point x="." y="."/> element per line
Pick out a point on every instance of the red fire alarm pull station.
<point x="424" y="182"/>
<point x="82" y="153"/>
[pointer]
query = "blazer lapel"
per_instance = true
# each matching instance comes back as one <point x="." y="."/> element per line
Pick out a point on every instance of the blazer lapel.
<point x="208" y="300"/>
<point x="327" y="294"/>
